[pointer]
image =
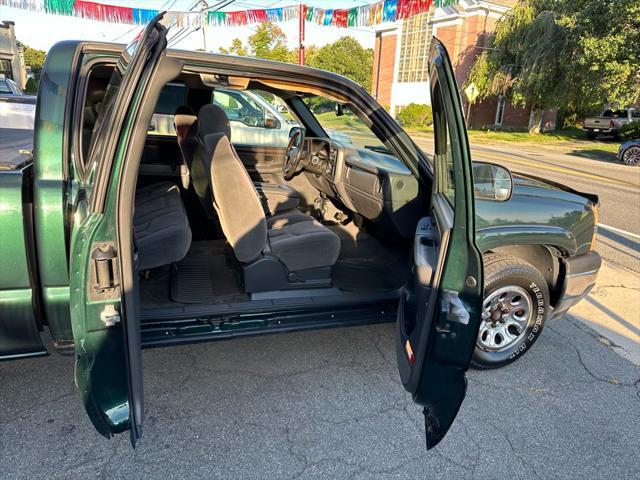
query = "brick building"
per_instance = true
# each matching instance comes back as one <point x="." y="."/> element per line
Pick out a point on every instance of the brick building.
<point x="400" y="62"/>
<point x="11" y="59"/>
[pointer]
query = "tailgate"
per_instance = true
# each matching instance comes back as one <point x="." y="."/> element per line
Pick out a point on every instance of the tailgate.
<point x="597" y="122"/>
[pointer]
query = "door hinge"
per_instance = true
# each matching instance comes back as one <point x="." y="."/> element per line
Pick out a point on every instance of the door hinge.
<point x="110" y="316"/>
<point x="104" y="279"/>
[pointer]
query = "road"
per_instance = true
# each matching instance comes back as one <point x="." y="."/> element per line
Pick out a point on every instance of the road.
<point x="329" y="404"/>
<point x="617" y="186"/>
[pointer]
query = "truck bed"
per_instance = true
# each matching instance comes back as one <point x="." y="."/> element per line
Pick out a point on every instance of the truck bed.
<point x="14" y="140"/>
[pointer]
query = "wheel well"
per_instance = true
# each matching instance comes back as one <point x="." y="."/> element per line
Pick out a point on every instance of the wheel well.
<point x="544" y="258"/>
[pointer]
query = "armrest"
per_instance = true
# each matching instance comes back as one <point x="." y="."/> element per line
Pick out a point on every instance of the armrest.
<point x="277" y="197"/>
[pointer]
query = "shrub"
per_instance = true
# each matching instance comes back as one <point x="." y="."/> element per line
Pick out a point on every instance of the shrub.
<point x="415" y="115"/>
<point x="31" y="88"/>
<point x="630" y="130"/>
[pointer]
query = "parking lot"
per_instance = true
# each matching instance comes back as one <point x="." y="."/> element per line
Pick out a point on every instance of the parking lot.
<point x="328" y="404"/>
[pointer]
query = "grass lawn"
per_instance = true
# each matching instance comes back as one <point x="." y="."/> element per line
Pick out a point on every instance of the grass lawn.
<point x="573" y="138"/>
<point x="567" y="140"/>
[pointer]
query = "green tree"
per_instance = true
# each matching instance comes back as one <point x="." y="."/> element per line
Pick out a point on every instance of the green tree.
<point x="236" y="48"/>
<point x="347" y="57"/>
<point x="575" y="55"/>
<point x="31" y="88"/>
<point x="268" y="41"/>
<point x="33" y="58"/>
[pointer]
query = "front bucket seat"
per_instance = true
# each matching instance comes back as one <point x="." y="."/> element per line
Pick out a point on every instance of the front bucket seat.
<point x="284" y="251"/>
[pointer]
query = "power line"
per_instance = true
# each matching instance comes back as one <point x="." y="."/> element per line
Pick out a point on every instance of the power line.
<point x="165" y="6"/>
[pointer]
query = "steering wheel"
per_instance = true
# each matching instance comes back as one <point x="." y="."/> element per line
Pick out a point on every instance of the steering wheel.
<point x="293" y="154"/>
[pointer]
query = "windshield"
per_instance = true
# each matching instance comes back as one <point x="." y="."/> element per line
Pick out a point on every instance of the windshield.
<point x="341" y="123"/>
<point x="4" y="87"/>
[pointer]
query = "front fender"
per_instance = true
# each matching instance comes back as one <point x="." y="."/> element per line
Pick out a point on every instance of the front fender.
<point x="489" y="238"/>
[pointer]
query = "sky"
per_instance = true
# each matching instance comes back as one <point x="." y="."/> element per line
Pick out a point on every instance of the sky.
<point x="40" y="30"/>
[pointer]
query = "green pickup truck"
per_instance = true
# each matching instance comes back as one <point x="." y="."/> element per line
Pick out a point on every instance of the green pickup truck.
<point x="115" y="238"/>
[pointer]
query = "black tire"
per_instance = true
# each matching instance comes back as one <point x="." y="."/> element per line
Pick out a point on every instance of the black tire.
<point x="591" y="135"/>
<point x="501" y="272"/>
<point x="631" y="156"/>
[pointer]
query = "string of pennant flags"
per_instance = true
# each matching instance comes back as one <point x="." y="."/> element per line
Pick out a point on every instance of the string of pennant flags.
<point x="362" y="16"/>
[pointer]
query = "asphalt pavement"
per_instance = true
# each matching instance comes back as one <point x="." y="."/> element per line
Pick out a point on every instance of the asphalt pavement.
<point x="329" y="404"/>
<point x="617" y="186"/>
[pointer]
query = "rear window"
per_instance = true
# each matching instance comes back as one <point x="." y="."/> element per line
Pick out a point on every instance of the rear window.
<point x="615" y="113"/>
<point x="171" y="97"/>
<point x="4" y="86"/>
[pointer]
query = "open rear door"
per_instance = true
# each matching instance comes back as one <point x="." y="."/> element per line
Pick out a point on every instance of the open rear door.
<point x="107" y="337"/>
<point x="439" y="312"/>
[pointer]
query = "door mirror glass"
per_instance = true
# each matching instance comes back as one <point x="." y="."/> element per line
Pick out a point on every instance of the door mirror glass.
<point x="270" y="121"/>
<point x="491" y="182"/>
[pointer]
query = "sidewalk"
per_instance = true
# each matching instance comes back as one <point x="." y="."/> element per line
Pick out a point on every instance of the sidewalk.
<point x="612" y="310"/>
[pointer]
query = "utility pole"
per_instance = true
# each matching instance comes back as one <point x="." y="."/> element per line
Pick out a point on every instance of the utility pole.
<point x="301" y="20"/>
<point x="203" y="24"/>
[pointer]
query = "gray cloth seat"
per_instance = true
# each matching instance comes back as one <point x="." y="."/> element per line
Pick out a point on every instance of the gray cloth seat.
<point x="161" y="225"/>
<point x="291" y="239"/>
<point x="191" y="131"/>
<point x="301" y="242"/>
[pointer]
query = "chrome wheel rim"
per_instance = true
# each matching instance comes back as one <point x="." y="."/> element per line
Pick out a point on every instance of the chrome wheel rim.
<point x="506" y="314"/>
<point x="632" y="156"/>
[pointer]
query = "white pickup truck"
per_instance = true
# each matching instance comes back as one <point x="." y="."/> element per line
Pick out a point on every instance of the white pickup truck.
<point x="253" y="120"/>
<point x="610" y="122"/>
<point x="17" y="110"/>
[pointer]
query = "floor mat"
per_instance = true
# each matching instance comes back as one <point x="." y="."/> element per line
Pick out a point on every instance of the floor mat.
<point x="366" y="264"/>
<point x="369" y="278"/>
<point x="205" y="279"/>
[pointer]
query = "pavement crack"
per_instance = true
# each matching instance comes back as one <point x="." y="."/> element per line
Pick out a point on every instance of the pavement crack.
<point x="477" y="448"/>
<point x="25" y="411"/>
<point x="582" y="363"/>
<point x="515" y="452"/>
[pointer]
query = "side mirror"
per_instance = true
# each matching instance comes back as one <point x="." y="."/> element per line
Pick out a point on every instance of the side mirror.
<point x="492" y="182"/>
<point x="270" y="121"/>
<point x="339" y="110"/>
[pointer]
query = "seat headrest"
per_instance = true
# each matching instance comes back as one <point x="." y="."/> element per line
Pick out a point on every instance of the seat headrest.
<point x="96" y="95"/>
<point x="213" y="119"/>
<point x="185" y="110"/>
<point x="183" y="119"/>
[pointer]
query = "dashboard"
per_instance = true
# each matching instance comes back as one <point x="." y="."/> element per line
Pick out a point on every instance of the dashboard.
<point x="375" y="185"/>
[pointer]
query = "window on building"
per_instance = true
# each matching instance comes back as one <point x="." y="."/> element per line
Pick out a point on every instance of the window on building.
<point x="499" y="111"/>
<point x="415" y="42"/>
<point x="5" y="68"/>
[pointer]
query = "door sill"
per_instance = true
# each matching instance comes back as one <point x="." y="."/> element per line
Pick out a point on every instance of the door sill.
<point x="201" y="323"/>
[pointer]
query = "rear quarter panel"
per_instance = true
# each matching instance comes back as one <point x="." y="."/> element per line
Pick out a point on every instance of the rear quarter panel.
<point x="52" y="186"/>
<point x="19" y="335"/>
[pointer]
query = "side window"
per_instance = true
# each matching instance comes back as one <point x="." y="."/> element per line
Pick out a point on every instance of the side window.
<point x="444" y="148"/>
<point x="341" y="123"/>
<point x="171" y="97"/>
<point x="254" y="120"/>
<point x="240" y="108"/>
<point x="94" y="92"/>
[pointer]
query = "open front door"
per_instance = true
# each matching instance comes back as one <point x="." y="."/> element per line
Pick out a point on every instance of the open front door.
<point x="107" y="336"/>
<point x="439" y="312"/>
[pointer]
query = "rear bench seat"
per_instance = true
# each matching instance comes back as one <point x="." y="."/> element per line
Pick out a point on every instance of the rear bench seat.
<point x="161" y="225"/>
